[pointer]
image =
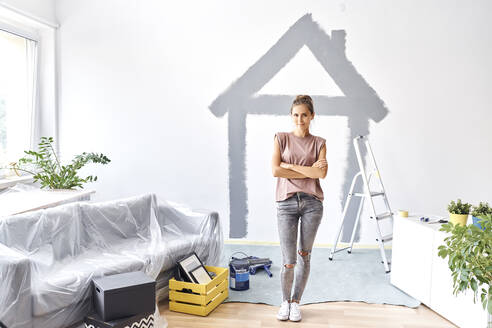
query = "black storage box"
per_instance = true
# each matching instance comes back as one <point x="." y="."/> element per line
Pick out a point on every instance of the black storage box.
<point x="145" y="320"/>
<point x="123" y="295"/>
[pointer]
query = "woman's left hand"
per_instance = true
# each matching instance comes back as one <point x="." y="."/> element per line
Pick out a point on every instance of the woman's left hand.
<point x="286" y="165"/>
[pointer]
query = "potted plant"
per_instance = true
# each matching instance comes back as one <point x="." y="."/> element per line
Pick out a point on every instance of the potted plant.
<point x="469" y="253"/>
<point x="458" y="212"/>
<point x="46" y="168"/>
<point x="479" y="211"/>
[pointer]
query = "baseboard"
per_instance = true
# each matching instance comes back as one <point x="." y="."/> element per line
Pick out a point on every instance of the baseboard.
<point x="272" y="243"/>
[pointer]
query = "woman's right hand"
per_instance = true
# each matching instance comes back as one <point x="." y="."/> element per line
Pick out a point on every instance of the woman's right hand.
<point x="320" y="164"/>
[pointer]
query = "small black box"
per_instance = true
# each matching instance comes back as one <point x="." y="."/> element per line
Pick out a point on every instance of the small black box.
<point x="145" y="320"/>
<point x="124" y="295"/>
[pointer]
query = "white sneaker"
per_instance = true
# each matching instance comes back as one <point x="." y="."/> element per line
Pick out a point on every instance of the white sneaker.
<point x="295" y="312"/>
<point x="283" y="313"/>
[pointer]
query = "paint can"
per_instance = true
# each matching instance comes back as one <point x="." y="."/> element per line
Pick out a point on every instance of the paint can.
<point x="238" y="273"/>
<point x="403" y="213"/>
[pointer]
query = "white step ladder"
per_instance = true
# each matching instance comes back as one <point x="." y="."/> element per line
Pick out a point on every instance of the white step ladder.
<point x="369" y="195"/>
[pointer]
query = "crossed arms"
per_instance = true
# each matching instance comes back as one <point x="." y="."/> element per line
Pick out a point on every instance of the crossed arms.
<point x="292" y="171"/>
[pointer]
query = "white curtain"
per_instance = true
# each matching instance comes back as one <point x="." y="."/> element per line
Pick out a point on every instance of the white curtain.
<point x="18" y="95"/>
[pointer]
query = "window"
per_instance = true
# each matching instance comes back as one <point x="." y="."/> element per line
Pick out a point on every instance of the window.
<point x="18" y="58"/>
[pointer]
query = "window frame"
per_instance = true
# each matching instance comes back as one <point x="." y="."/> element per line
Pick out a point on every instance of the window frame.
<point x="24" y="33"/>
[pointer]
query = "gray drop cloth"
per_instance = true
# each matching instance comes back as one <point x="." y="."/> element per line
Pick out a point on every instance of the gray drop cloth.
<point x="358" y="276"/>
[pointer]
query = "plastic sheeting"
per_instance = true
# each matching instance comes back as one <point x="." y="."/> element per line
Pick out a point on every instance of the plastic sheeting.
<point x="49" y="257"/>
<point x="19" y="187"/>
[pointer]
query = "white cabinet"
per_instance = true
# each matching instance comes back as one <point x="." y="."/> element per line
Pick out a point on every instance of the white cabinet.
<point x="412" y="260"/>
<point x="418" y="271"/>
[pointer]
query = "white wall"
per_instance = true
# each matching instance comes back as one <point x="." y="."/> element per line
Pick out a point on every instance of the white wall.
<point x="42" y="9"/>
<point x="137" y="78"/>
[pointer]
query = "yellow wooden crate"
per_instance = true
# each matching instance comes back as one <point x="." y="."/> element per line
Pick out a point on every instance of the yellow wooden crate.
<point x="205" y="297"/>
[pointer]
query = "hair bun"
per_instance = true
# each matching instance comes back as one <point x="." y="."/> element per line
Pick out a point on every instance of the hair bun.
<point x="305" y="100"/>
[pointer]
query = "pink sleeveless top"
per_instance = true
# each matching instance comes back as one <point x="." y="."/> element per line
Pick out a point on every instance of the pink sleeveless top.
<point x="300" y="151"/>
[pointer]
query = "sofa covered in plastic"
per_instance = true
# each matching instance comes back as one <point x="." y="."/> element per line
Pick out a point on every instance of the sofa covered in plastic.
<point x="49" y="257"/>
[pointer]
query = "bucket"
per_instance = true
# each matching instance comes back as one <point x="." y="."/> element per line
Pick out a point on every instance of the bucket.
<point x="238" y="273"/>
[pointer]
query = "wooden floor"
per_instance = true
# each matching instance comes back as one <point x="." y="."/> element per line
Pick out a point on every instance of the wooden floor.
<point x="329" y="315"/>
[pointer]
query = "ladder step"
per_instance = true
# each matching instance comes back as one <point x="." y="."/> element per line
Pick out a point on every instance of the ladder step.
<point x="383" y="216"/>
<point x="373" y="194"/>
<point x="386" y="238"/>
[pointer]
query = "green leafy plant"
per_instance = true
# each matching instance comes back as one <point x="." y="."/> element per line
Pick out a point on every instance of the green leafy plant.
<point x="459" y="207"/>
<point x="481" y="210"/>
<point x="469" y="253"/>
<point x="48" y="170"/>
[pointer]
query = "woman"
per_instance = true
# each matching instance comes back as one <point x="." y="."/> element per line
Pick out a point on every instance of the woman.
<point x="299" y="160"/>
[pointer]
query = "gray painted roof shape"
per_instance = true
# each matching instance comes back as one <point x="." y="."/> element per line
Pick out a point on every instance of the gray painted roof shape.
<point x="329" y="51"/>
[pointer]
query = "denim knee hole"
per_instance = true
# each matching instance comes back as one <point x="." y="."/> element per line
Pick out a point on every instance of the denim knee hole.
<point x="303" y="253"/>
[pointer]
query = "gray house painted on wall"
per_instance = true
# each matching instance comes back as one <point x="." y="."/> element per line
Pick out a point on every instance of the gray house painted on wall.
<point x="360" y="104"/>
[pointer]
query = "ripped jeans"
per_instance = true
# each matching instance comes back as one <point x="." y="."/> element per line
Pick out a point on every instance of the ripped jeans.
<point x="308" y="210"/>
